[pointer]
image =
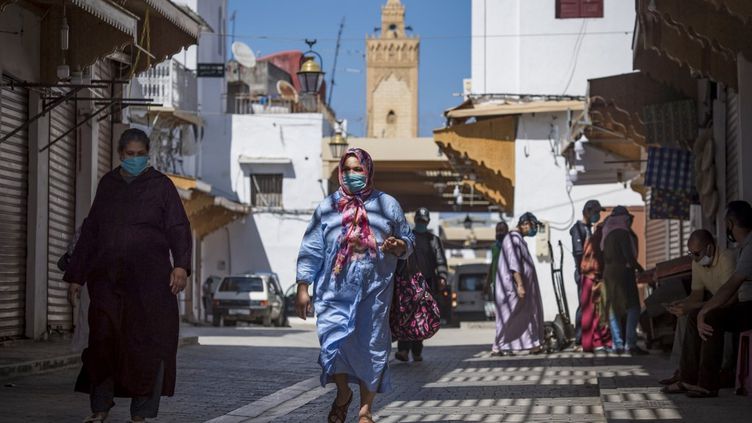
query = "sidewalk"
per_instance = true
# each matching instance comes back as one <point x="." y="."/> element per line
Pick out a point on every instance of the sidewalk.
<point x="26" y="357"/>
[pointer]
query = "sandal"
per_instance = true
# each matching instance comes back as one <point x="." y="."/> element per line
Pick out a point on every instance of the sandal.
<point x="96" y="418"/>
<point x="338" y="413"/>
<point x="365" y="419"/>
<point x="670" y="381"/>
<point x="675" y="388"/>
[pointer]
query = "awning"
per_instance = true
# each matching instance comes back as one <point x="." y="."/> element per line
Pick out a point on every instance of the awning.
<point x="97" y="28"/>
<point x="701" y="36"/>
<point x="487" y="150"/>
<point x="460" y="237"/>
<point x="616" y="111"/>
<point x="206" y="210"/>
<point x="167" y="117"/>
<point x="502" y="109"/>
<point x="170" y="29"/>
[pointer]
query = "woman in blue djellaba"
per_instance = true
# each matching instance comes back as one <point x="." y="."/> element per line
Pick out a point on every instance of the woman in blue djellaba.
<point x="349" y="253"/>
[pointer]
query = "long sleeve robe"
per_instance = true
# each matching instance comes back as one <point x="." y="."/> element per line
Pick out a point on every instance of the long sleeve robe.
<point x="124" y="257"/>
<point x="352" y="309"/>
<point x="519" y="323"/>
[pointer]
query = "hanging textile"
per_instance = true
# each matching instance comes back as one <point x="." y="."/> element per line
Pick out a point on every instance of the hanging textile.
<point x="669" y="204"/>
<point x="671" y="124"/>
<point x="670" y="169"/>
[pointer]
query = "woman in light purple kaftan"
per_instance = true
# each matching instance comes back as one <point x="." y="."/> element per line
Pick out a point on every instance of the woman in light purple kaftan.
<point x="519" y="321"/>
<point x="352" y="282"/>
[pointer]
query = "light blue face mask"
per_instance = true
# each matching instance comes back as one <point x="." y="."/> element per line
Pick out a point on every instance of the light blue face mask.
<point x="355" y="182"/>
<point x="421" y="227"/>
<point x="135" y="165"/>
<point x="595" y="218"/>
<point x="533" y="232"/>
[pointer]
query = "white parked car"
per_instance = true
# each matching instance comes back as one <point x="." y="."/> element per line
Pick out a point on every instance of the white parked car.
<point x="250" y="297"/>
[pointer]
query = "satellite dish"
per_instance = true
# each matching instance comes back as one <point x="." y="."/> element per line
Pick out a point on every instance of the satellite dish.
<point x="243" y="54"/>
<point x="287" y="91"/>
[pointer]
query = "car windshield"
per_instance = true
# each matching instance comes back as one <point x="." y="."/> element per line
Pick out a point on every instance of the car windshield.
<point x="242" y="284"/>
<point x="472" y="282"/>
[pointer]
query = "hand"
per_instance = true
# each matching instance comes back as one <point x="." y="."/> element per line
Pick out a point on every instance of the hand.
<point x="302" y="301"/>
<point x="706" y="331"/>
<point x="677" y="309"/>
<point x="178" y="280"/>
<point x="394" y="246"/>
<point x="442" y="284"/>
<point x="521" y="292"/>
<point x="74" y="293"/>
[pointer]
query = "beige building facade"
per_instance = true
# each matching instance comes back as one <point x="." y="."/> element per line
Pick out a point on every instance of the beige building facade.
<point x="392" y="77"/>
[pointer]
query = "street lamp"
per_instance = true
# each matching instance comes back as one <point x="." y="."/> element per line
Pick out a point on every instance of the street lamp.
<point x="338" y="145"/>
<point x="310" y="74"/>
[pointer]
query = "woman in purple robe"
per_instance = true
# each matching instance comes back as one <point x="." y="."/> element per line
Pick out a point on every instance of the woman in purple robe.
<point x="135" y="226"/>
<point x="519" y="307"/>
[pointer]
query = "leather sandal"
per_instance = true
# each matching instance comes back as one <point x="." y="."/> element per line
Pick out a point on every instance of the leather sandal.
<point x="338" y="413"/>
<point x="96" y="418"/>
<point x="365" y="419"/>
<point x="674" y="388"/>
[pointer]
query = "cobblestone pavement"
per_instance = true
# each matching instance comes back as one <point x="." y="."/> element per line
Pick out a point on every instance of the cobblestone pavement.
<point x="271" y="375"/>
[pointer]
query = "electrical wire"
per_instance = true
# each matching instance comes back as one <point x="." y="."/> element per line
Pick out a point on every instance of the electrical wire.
<point x="576" y="54"/>
<point x="428" y="37"/>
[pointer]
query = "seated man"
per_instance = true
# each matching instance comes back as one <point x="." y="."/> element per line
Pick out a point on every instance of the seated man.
<point x="712" y="266"/>
<point x="703" y="343"/>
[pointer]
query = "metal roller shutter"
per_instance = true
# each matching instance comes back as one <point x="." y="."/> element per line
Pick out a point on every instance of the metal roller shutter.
<point x="62" y="206"/>
<point x="732" y="146"/>
<point x="14" y="171"/>
<point x="104" y="71"/>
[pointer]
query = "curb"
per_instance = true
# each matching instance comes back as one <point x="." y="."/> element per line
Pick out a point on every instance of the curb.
<point x="61" y="362"/>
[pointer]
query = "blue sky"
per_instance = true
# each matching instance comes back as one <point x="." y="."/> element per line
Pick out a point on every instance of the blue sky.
<point x="269" y="26"/>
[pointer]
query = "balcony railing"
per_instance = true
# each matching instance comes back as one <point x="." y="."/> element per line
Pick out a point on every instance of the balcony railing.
<point x="246" y="104"/>
<point x="170" y="84"/>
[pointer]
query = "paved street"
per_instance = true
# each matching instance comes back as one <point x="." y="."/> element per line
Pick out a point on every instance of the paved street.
<point x="259" y="375"/>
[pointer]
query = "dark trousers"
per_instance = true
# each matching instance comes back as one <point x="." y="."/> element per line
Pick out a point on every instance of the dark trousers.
<point x="102" y="396"/>
<point x="415" y="346"/>
<point x="701" y="360"/>
<point x="578" y="314"/>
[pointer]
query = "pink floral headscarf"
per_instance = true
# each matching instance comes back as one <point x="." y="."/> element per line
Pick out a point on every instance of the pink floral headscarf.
<point x="356" y="232"/>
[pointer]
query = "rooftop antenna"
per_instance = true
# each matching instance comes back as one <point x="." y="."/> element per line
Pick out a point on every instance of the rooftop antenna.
<point x="334" y="66"/>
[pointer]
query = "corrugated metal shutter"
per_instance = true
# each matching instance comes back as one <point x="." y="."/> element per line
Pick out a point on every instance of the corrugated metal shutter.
<point x="62" y="206"/>
<point x="732" y="146"/>
<point x="14" y="172"/>
<point x="104" y="71"/>
<point x="656" y="234"/>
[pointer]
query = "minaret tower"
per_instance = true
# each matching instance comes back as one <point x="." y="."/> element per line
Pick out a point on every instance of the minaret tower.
<point x="392" y="77"/>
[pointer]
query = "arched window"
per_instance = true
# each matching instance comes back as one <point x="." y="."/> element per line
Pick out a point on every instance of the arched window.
<point x="391" y="124"/>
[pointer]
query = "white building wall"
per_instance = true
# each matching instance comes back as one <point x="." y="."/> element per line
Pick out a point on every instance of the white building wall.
<point x="519" y="47"/>
<point x="267" y="240"/>
<point x="541" y="188"/>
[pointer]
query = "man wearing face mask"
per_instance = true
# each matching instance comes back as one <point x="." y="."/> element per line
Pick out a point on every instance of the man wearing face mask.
<point x="432" y="263"/>
<point x="580" y="232"/>
<point x="519" y="306"/>
<point x="711" y="268"/>
<point x="730" y="309"/>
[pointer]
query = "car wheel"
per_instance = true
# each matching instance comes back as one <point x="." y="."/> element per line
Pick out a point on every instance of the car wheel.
<point x="216" y="320"/>
<point x="280" y="321"/>
<point x="230" y="322"/>
<point x="267" y="321"/>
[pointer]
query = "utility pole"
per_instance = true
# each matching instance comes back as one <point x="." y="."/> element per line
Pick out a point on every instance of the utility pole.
<point x="334" y="66"/>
